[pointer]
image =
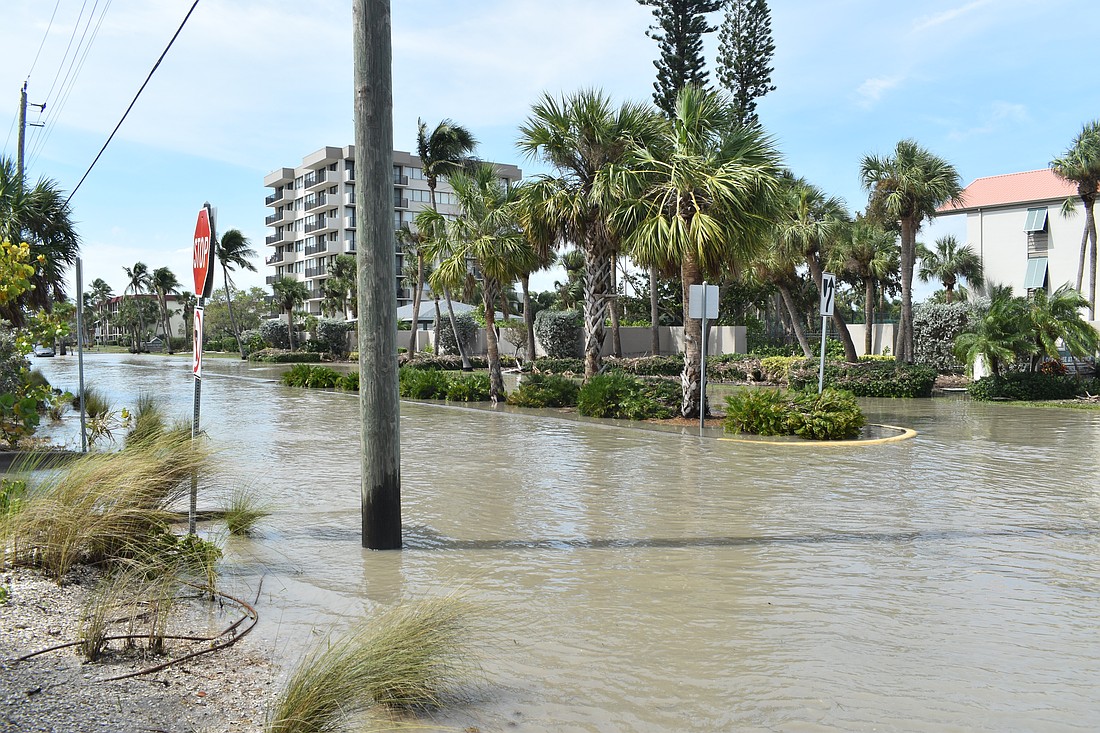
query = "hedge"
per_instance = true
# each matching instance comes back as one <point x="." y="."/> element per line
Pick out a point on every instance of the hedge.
<point x="831" y="415"/>
<point x="867" y="378"/>
<point x="1028" y="386"/>
<point x="622" y="396"/>
<point x="281" y="356"/>
<point x="544" y="390"/>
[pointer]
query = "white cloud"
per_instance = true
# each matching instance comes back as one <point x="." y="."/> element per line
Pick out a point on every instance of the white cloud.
<point x="931" y="21"/>
<point x="871" y="90"/>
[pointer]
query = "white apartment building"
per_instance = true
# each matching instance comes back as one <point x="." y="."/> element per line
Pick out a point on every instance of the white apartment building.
<point x="314" y="213"/>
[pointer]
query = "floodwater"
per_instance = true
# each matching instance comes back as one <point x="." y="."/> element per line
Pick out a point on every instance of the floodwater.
<point x="638" y="580"/>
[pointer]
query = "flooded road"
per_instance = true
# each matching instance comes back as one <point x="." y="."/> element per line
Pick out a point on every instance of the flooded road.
<point x="647" y="581"/>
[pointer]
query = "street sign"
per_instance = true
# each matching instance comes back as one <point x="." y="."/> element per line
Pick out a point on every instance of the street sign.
<point x="703" y="301"/>
<point x="828" y="293"/>
<point x="196" y="354"/>
<point x="203" y="247"/>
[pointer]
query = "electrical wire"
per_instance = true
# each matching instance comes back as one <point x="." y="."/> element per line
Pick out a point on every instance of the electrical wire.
<point x="44" y="37"/>
<point x="134" y="101"/>
<point x="60" y="66"/>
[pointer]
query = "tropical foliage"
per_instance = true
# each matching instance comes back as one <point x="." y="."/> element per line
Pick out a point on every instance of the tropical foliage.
<point x="831" y="415"/>
<point x="948" y="262"/>
<point x="233" y="250"/>
<point x="1080" y="165"/>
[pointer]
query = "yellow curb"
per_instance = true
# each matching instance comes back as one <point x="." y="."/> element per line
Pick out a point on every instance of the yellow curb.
<point x="906" y="434"/>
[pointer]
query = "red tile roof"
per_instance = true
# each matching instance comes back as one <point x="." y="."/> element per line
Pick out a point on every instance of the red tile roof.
<point x="1012" y="188"/>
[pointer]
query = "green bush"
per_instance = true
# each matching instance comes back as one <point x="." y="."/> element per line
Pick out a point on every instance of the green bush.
<point x="349" y="381"/>
<point x="544" y="390"/>
<point x="560" y="333"/>
<point x="422" y="384"/>
<point x="332" y="336"/>
<point x="648" y="366"/>
<point x="621" y="396"/>
<point x="832" y="415"/>
<point x="935" y="327"/>
<point x="867" y="378"/>
<point x="251" y="340"/>
<point x="468" y="387"/>
<point x="467" y="331"/>
<point x="275" y="334"/>
<point x="313" y="376"/>
<point x="280" y="356"/>
<point x="555" y="365"/>
<point x="1027" y="386"/>
<point x="777" y="369"/>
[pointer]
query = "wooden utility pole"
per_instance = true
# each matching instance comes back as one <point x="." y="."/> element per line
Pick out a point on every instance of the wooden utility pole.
<point x="375" y="256"/>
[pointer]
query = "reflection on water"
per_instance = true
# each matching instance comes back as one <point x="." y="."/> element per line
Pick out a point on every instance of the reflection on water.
<point x="641" y="580"/>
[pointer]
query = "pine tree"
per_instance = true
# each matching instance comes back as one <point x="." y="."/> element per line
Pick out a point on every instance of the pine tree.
<point x="745" y="50"/>
<point x="679" y="34"/>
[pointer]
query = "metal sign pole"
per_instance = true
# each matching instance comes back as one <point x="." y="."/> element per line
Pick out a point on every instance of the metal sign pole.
<point x="821" y="370"/>
<point x="828" y="293"/>
<point x="703" y="364"/>
<point x="80" y="353"/>
<point x="196" y="335"/>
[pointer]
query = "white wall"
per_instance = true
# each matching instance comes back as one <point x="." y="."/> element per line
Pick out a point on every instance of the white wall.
<point x="997" y="236"/>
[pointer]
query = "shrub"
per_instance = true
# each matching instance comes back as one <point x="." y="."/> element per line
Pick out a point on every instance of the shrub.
<point x="561" y="333"/>
<point x="251" y="340"/>
<point x="734" y="368"/>
<point x="832" y="415"/>
<point x="467" y="330"/>
<point x="867" y="378"/>
<point x="349" y="381"/>
<point x="648" y="366"/>
<point x="468" y="387"/>
<point x="422" y="384"/>
<point x="275" y="334"/>
<point x="1026" y="386"/>
<point x="559" y="365"/>
<point x="309" y="375"/>
<point x="545" y="390"/>
<point x="281" y="356"/>
<point x="621" y="396"/>
<point x="935" y="327"/>
<point x="777" y="369"/>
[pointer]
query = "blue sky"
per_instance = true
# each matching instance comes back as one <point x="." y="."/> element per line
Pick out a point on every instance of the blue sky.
<point x="252" y="85"/>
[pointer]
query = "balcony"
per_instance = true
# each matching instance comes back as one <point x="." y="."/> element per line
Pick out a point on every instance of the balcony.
<point x="349" y="174"/>
<point x="314" y="179"/>
<point x="270" y="200"/>
<point x="399" y="180"/>
<point x="277" y="216"/>
<point x="315" y="202"/>
<point x="316" y="271"/>
<point x="399" y="203"/>
<point x="349" y="198"/>
<point x="349" y="243"/>
<point x="316" y="249"/>
<point x="271" y="279"/>
<point x="274" y="238"/>
<point x="315" y="225"/>
<point x="274" y="259"/>
<point x="349" y="222"/>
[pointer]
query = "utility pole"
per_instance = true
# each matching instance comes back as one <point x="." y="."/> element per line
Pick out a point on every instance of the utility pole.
<point x="379" y="411"/>
<point x="23" y="131"/>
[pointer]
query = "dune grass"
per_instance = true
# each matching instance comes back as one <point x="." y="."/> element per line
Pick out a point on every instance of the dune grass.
<point x="410" y="657"/>
<point x="243" y="509"/>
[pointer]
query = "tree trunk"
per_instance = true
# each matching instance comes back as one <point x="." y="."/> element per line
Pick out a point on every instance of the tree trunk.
<point x="492" y="349"/>
<point x="290" y="327"/>
<point x="796" y="322"/>
<point x="868" y="314"/>
<point x="654" y="314"/>
<point x="466" y="366"/>
<point x="838" y="320"/>
<point x="416" y="302"/>
<point x="596" y="282"/>
<point x="613" y="307"/>
<point x="904" y="351"/>
<point x="1084" y="242"/>
<point x="528" y="319"/>
<point x="691" y="377"/>
<point x="167" y="324"/>
<point x="436" y="325"/>
<point x="229" y="307"/>
<point x="1090" y="224"/>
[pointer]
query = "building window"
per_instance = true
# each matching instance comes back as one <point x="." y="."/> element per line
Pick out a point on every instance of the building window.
<point x="1038" y="241"/>
<point x="1036" y="276"/>
<point x="417" y="174"/>
<point x="332" y="166"/>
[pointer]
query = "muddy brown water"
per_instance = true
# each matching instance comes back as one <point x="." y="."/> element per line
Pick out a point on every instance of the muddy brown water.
<point x="640" y="580"/>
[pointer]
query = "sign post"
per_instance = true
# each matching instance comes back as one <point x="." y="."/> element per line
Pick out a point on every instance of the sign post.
<point x="703" y="304"/>
<point x="204" y="280"/>
<point x="828" y="299"/>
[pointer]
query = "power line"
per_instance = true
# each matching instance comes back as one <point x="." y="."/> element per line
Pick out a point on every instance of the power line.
<point x="134" y="101"/>
<point x="44" y="37"/>
<point x="61" y="65"/>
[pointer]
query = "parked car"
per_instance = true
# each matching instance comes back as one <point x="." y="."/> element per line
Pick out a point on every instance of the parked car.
<point x="41" y="350"/>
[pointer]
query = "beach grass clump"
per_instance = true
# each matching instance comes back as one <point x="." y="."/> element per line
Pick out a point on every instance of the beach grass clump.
<point x="243" y="509"/>
<point x="410" y="657"/>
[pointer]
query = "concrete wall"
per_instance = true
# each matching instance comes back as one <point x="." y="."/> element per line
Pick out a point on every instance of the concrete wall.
<point x="882" y="337"/>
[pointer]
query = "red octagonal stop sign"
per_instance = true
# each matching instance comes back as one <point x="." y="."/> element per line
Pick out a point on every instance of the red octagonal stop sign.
<point x="204" y="245"/>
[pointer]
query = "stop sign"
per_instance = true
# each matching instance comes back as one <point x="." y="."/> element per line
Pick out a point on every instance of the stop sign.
<point x="204" y="241"/>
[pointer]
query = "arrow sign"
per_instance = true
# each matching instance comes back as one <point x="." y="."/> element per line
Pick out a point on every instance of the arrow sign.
<point x="828" y="293"/>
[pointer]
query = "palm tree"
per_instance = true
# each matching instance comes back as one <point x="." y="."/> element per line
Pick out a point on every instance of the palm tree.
<point x="233" y="251"/>
<point x="41" y="217"/>
<point x="341" y="288"/>
<point x="811" y="225"/>
<point x="579" y="135"/>
<point x="777" y="267"/>
<point x="702" y="197"/>
<point x="163" y="283"/>
<point x="486" y="232"/>
<point x="1055" y="318"/>
<point x="948" y="262"/>
<point x="289" y="293"/>
<point x="540" y="249"/>
<point x="412" y="245"/>
<point x="1080" y="164"/>
<point x="1002" y="334"/>
<point x="908" y="187"/>
<point x="138" y="281"/>
<point x="101" y="294"/>
<point x="869" y="254"/>
<point x="445" y="150"/>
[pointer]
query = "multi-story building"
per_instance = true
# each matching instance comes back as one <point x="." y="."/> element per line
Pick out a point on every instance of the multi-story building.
<point x="314" y="213"/>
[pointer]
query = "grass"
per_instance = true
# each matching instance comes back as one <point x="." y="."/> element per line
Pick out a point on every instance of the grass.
<point x="409" y="657"/>
<point x="244" y="508"/>
<point x="95" y="400"/>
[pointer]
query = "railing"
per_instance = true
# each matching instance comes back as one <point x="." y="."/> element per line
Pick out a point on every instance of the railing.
<point x="349" y="222"/>
<point x="273" y="238"/>
<point x="277" y="216"/>
<point x="314" y="178"/>
<point x="270" y="279"/>
<point x="315" y="271"/>
<point x="399" y="203"/>
<point x="349" y="174"/>
<point x="277" y="196"/>
<point x="314" y="226"/>
<point x="316" y="248"/>
<point x="316" y="293"/>
<point x="274" y="259"/>
<point x="313" y="203"/>
<point x="399" y="180"/>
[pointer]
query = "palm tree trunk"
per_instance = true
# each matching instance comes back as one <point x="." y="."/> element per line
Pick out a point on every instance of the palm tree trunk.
<point x="232" y="320"/>
<point x="596" y="282"/>
<point x="691" y="377"/>
<point x="466" y="366"/>
<point x="613" y="306"/>
<point x="1090" y="224"/>
<point x="290" y="327"/>
<point x="496" y="378"/>
<point x="435" y="326"/>
<point x="654" y="314"/>
<point x="416" y="302"/>
<point x="528" y="318"/>
<point x="1084" y="242"/>
<point x="165" y="322"/>
<point x="868" y="314"/>
<point x="904" y="350"/>
<point x="796" y="321"/>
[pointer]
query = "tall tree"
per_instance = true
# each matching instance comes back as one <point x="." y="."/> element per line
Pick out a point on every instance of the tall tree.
<point x="1055" y="318"/>
<point x="868" y="254"/>
<point x="341" y="287"/>
<point x="233" y="250"/>
<point x="745" y="51"/>
<point x="289" y="294"/>
<point x="1080" y="164"/>
<point x="445" y="150"/>
<point x="137" y="282"/>
<point x="42" y="218"/>
<point x="164" y="283"/>
<point x="777" y="267"/>
<point x="907" y="187"/>
<point x="101" y="293"/>
<point x="579" y="135"/>
<point x="417" y="272"/>
<point x="948" y="262"/>
<point x="679" y="29"/>
<point x="702" y="196"/>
